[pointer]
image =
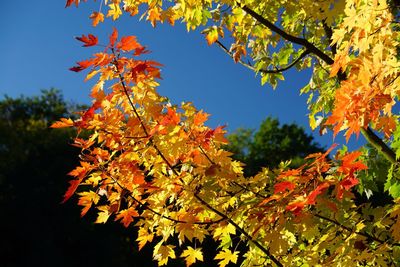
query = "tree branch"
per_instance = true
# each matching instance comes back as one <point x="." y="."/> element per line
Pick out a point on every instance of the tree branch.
<point x="352" y="230"/>
<point x="249" y="66"/>
<point x="241" y="230"/>
<point x="226" y="50"/>
<point x="146" y="207"/>
<point x="300" y="41"/>
<point x="379" y="145"/>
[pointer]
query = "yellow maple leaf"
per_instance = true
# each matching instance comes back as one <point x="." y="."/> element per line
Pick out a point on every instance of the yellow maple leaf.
<point x="144" y="237"/>
<point x="114" y="11"/>
<point x="103" y="214"/>
<point x="192" y="255"/>
<point x="212" y="36"/>
<point x="163" y="253"/>
<point x="154" y="15"/>
<point x="86" y="200"/>
<point x="224" y="230"/>
<point x="226" y="256"/>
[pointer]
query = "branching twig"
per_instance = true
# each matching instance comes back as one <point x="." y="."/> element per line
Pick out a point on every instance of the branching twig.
<point x="249" y="66"/>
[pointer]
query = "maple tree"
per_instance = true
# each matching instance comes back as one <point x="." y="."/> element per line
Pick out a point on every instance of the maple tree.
<point x="156" y="165"/>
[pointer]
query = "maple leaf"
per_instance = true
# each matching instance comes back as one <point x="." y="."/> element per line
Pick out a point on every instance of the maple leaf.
<point x="89" y="40"/>
<point x="140" y="50"/>
<point x="86" y="200"/>
<point x="82" y="65"/>
<point x="62" y="123"/>
<point x="113" y="37"/>
<point x="349" y="163"/>
<point x="283" y="186"/>
<point x="114" y="11"/>
<point x="143" y="237"/>
<point x="316" y="192"/>
<point x="96" y="17"/>
<point x="163" y="253"/>
<point x="345" y="185"/>
<point x="238" y="51"/>
<point x="200" y="117"/>
<point x="171" y="118"/>
<point x="103" y="215"/>
<point x="128" y="43"/>
<point x="192" y="255"/>
<point x="126" y="216"/>
<point x="154" y="15"/>
<point x="73" y="185"/>
<point x="70" y="2"/>
<point x="226" y="256"/>
<point x="296" y="207"/>
<point x="211" y="35"/>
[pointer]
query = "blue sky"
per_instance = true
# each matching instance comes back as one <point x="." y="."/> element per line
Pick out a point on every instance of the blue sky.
<point x="38" y="48"/>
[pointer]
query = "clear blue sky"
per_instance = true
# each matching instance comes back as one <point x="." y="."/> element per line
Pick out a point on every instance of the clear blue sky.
<point x="38" y="48"/>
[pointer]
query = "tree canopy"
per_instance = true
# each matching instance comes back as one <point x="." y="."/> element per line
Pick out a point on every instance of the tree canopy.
<point x="155" y="164"/>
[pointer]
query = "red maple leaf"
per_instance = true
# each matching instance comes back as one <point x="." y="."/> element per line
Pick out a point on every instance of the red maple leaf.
<point x="89" y="40"/>
<point x="316" y="192"/>
<point x="283" y="186"/>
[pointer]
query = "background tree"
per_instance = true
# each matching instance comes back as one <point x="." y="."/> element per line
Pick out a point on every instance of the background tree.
<point x="270" y="145"/>
<point x="34" y="160"/>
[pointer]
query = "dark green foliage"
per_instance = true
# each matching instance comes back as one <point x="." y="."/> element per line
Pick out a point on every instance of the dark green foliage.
<point x="270" y="145"/>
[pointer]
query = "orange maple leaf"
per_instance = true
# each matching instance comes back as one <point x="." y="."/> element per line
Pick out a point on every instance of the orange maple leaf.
<point x="113" y="37"/>
<point x="171" y="118"/>
<point x="89" y="40"/>
<point x="128" y="43"/>
<point x="200" y="118"/>
<point x="86" y="200"/>
<point x="62" y="123"/>
<point x="97" y="17"/>
<point x="154" y="15"/>
<point x="126" y="216"/>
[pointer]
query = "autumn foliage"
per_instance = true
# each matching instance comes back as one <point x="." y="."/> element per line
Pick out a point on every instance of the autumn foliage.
<point x="157" y="166"/>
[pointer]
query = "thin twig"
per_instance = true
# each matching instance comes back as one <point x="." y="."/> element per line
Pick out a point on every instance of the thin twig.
<point x="274" y="71"/>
